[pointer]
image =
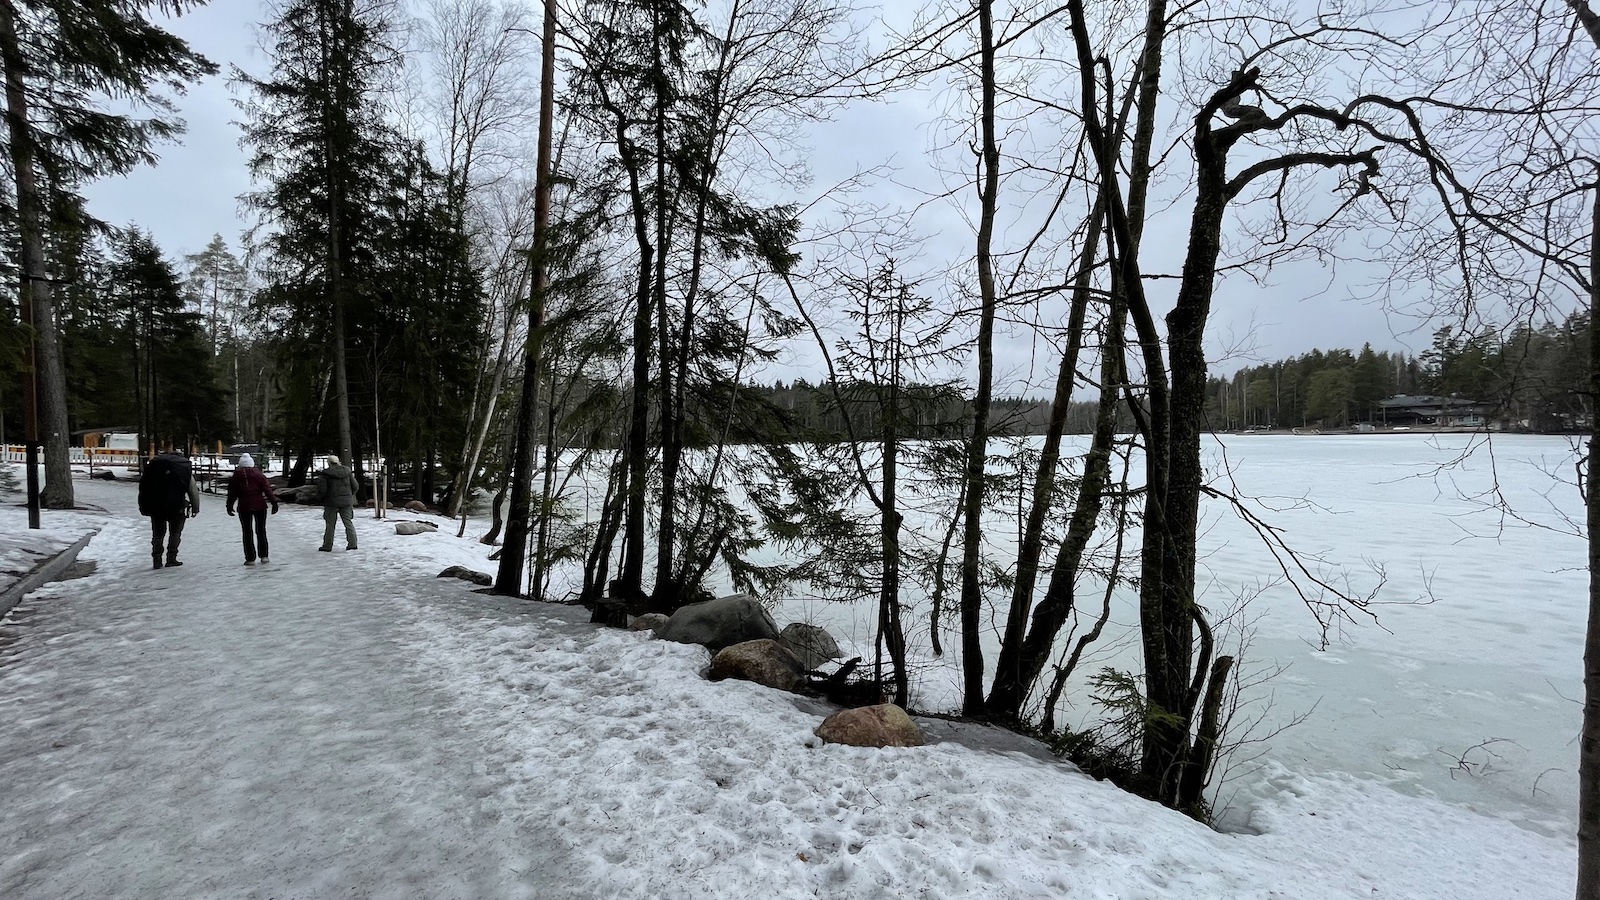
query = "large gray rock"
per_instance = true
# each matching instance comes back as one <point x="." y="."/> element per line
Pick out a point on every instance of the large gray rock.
<point x="720" y="623"/>
<point x="764" y="662"/>
<point x="884" y="725"/>
<point x="810" y="643"/>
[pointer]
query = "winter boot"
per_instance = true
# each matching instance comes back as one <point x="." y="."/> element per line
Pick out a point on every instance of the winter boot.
<point x="172" y="560"/>
<point x="155" y="558"/>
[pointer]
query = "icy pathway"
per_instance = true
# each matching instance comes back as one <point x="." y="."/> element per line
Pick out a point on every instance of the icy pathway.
<point x="223" y="731"/>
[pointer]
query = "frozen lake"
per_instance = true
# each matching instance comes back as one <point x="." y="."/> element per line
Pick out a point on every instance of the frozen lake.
<point x="1466" y="686"/>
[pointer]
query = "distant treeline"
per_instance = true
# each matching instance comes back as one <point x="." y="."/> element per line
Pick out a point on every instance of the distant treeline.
<point x="927" y="411"/>
<point x="1528" y="377"/>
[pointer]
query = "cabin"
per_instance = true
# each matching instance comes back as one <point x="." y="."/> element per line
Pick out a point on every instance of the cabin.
<point x="1428" y="410"/>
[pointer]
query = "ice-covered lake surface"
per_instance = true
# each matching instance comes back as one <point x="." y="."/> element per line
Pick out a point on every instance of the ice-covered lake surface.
<point x="1464" y="685"/>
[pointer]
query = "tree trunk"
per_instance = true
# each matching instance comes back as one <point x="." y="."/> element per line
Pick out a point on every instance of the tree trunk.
<point x="1192" y="790"/>
<point x="483" y="403"/>
<point x="508" y="578"/>
<point x="1011" y="683"/>
<point x="977" y="449"/>
<point x="1155" y="424"/>
<point x="1013" y="675"/>
<point x="1589" y="737"/>
<point x="1060" y="594"/>
<point x="664" y="597"/>
<point x="890" y="628"/>
<point x="1167" y="674"/>
<point x="336" y="200"/>
<point x="47" y="399"/>
<point x="1012" y="679"/>
<point x="541" y="548"/>
<point x="630" y="582"/>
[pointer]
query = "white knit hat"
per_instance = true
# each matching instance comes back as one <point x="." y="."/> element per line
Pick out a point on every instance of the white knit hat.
<point x="245" y="461"/>
<point x="333" y="460"/>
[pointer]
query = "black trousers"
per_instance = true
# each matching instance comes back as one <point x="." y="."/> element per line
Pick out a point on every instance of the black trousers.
<point x="253" y="528"/>
<point x="160" y="527"/>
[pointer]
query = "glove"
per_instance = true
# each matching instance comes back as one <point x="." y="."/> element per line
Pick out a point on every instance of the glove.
<point x="274" y="509"/>
<point x="230" y="510"/>
<point x="194" y="511"/>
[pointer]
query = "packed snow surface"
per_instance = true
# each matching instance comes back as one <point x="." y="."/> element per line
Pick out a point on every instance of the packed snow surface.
<point x="346" y="725"/>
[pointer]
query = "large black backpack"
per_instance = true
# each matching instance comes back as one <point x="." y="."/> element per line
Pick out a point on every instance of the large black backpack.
<point x="164" y="487"/>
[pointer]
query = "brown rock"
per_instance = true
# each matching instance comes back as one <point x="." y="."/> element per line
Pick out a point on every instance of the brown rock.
<point x="884" y="725"/>
<point x="763" y="661"/>
<point x="417" y="506"/>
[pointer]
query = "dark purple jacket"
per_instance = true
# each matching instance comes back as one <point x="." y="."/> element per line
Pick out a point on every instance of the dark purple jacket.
<point x="250" y="490"/>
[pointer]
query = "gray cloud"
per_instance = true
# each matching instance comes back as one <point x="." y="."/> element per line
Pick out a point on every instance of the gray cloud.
<point x="193" y="193"/>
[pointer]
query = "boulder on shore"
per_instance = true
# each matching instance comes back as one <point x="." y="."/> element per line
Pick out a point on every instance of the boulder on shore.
<point x="720" y="623"/>
<point x="764" y="662"/>
<point x="884" y="725"/>
<point x="812" y="644"/>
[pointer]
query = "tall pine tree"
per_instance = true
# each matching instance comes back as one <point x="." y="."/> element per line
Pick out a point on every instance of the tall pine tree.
<point x="65" y="62"/>
<point x="321" y="148"/>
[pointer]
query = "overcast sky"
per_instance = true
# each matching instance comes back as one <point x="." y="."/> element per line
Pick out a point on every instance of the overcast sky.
<point x="193" y="193"/>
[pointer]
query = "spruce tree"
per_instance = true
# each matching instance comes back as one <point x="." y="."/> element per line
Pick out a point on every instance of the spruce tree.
<point x="322" y="151"/>
<point x="176" y="391"/>
<point x="66" y="62"/>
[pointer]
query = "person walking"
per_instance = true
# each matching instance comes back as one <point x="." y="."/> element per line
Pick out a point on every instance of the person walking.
<point x="168" y="495"/>
<point x="338" y="485"/>
<point x="250" y="490"/>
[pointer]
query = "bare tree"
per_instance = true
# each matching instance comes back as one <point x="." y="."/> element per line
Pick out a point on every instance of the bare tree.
<point x="482" y="70"/>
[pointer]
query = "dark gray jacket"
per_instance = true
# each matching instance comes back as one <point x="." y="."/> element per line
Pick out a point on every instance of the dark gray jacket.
<point x="338" y="486"/>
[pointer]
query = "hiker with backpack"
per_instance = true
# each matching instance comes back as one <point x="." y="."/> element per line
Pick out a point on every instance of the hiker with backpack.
<point x="169" y="495"/>
<point x="338" y="487"/>
<point x="250" y="490"/>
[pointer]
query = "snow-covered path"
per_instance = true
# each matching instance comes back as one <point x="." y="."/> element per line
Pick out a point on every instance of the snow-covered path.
<point x="223" y="731"/>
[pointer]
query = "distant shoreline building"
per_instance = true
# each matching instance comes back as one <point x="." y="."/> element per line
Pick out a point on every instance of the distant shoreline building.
<point x="1427" y="410"/>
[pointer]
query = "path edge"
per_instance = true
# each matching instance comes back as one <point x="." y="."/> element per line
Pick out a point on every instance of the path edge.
<point x="44" y="573"/>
